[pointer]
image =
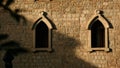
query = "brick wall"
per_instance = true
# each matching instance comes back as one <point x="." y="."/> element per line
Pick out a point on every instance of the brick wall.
<point x="69" y="39"/>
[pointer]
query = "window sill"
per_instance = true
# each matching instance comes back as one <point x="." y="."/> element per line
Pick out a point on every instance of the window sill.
<point x="99" y="49"/>
<point x="42" y="50"/>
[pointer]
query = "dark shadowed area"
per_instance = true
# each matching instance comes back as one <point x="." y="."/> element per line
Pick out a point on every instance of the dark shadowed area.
<point x="12" y="48"/>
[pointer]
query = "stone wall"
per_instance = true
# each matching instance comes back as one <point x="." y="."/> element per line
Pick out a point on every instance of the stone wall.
<point x="69" y="39"/>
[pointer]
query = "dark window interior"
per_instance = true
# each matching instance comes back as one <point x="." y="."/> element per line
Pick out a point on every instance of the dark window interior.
<point x="41" y="35"/>
<point x="98" y="34"/>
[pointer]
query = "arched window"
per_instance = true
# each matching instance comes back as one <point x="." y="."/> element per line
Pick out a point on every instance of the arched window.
<point x="42" y="34"/>
<point x="98" y="33"/>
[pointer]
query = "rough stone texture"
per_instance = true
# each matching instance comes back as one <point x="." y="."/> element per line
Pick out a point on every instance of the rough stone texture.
<point x="69" y="39"/>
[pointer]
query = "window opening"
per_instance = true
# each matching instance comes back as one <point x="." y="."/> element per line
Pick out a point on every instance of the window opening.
<point x="97" y="34"/>
<point x="41" y="35"/>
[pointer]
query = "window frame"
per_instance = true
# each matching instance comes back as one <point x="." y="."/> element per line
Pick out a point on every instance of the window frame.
<point x="50" y="27"/>
<point x="98" y="16"/>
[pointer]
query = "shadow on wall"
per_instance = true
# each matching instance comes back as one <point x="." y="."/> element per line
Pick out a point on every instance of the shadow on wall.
<point x="12" y="48"/>
<point x="63" y="52"/>
<point x="64" y="48"/>
<point x="14" y="14"/>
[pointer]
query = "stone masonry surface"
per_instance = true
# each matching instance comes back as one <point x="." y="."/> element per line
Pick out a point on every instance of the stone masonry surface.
<point x="69" y="39"/>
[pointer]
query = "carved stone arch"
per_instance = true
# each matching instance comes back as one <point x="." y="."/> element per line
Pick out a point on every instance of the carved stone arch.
<point x="42" y="30"/>
<point x="98" y="19"/>
<point x="44" y="19"/>
<point x="98" y="16"/>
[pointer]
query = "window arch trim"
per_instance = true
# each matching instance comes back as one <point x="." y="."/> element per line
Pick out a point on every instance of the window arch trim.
<point x="100" y="18"/>
<point x="45" y="20"/>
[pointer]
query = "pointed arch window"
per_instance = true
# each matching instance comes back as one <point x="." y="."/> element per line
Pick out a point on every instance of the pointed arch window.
<point x="42" y="34"/>
<point x="98" y="33"/>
